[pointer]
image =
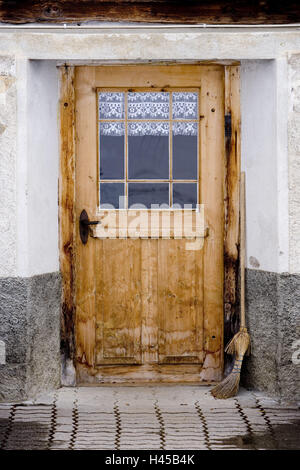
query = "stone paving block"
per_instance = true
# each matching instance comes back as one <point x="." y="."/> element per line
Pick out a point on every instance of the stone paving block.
<point x="63" y="420"/>
<point x="104" y="419"/>
<point x="137" y="420"/>
<point x="4" y="413"/>
<point x="184" y="447"/>
<point x="184" y="429"/>
<point x="66" y="428"/>
<point x="60" y="446"/>
<point x="95" y="439"/>
<point x="62" y="436"/>
<point x="95" y="436"/>
<point x="5" y="406"/>
<point x="139" y="445"/>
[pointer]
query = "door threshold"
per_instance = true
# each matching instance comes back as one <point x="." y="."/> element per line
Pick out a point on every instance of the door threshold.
<point x="149" y="384"/>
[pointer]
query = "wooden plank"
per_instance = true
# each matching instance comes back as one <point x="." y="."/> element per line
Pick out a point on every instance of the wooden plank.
<point x="145" y="75"/>
<point x="119" y="317"/>
<point x="86" y="198"/>
<point x="150" y="306"/>
<point x="180" y="291"/>
<point x="212" y="196"/>
<point x="66" y="208"/>
<point x="155" y="11"/>
<point x="232" y="178"/>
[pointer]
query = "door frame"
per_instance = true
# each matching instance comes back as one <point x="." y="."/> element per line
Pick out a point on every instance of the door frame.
<point x="232" y="146"/>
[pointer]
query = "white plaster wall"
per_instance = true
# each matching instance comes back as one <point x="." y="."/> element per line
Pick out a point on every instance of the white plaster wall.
<point x="29" y="160"/>
<point x="38" y="159"/>
<point x="29" y="149"/>
<point x="294" y="161"/>
<point x="43" y="161"/>
<point x="264" y="159"/>
<point x="8" y="131"/>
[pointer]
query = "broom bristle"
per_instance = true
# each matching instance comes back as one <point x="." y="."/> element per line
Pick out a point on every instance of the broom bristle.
<point x="239" y="345"/>
<point x="230" y="348"/>
<point x="228" y="387"/>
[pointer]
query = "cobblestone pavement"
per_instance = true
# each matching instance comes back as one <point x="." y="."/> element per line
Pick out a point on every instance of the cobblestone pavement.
<point x="149" y="417"/>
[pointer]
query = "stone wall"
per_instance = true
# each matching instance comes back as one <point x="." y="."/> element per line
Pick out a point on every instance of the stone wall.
<point x="272" y="308"/>
<point x="30" y="329"/>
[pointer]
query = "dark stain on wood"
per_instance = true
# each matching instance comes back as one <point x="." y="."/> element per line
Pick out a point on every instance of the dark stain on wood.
<point x="232" y="178"/>
<point x="155" y="11"/>
<point x="66" y="209"/>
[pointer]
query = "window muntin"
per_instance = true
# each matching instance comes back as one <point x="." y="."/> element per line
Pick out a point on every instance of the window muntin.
<point x="148" y="148"/>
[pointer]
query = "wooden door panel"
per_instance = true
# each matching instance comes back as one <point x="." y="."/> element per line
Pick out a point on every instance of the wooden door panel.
<point x="119" y="305"/>
<point x="150" y="301"/>
<point x="150" y="309"/>
<point x="181" y="303"/>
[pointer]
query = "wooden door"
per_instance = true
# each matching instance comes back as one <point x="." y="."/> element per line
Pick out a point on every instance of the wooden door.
<point x="149" y="303"/>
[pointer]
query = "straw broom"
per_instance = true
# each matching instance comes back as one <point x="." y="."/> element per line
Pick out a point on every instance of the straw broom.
<point x="240" y="343"/>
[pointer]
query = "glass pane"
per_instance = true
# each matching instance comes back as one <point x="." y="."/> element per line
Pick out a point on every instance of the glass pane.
<point x="146" y="194"/>
<point x="111" y="149"/>
<point x="148" y="150"/>
<point x="185" y="105"/>
<point x="185" y="193"/>
<point x="185" y="150"/>
<point x="110" y="194"/>
<point x="148" y="105"/>
<point x="111" y="105"/>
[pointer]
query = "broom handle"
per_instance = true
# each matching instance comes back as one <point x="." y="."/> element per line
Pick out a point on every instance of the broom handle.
<point x="242" y="248"/>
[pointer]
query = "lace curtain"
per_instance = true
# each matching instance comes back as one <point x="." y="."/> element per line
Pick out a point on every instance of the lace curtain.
<point x="111" y="105"/>
<point x="185" y="105"/>
<point x="148" y="106"/>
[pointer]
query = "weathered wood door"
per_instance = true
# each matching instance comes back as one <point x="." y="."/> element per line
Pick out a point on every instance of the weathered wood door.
<point x="149" y="301"/>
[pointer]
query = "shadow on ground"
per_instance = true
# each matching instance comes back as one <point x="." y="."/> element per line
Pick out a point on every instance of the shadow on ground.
<point x="282" y="437"/>
<point x="31" y="435"/>
<point x="23" y="435"/>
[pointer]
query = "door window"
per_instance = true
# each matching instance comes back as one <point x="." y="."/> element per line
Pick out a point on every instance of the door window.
<point x="148" y="149"/>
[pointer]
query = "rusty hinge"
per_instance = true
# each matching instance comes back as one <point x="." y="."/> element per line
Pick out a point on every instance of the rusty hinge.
<point x="228" y="126"/>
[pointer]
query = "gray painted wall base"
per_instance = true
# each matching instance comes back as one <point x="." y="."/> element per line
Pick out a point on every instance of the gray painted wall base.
<point x="30" y="329"/>
<point x="273" y="316"/>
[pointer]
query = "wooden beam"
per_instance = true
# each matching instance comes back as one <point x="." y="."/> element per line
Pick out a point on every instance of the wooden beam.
<point x="155" y="11"/>
<point x="66" y="208"/>
<point x="232" y="179"/>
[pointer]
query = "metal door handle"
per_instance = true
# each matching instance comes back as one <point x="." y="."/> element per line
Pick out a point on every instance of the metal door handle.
<point x="90" y="222"/>
<point x="84" y="223"/>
